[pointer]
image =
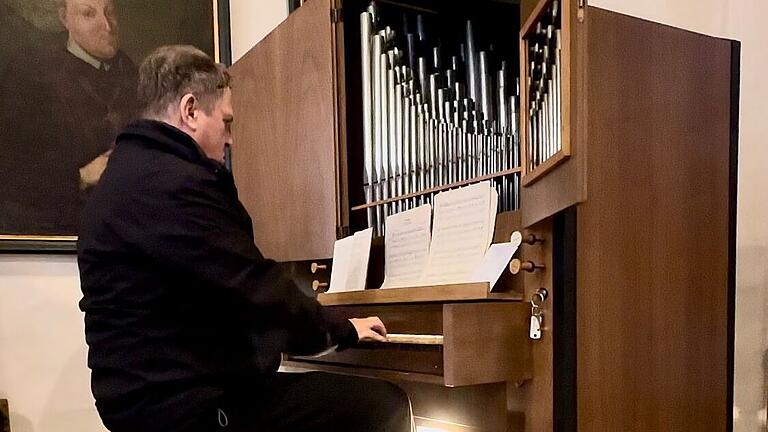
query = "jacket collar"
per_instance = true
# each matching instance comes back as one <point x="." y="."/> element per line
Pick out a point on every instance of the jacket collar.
<point x="76" y="50"/>
<point x="171" y="140"/>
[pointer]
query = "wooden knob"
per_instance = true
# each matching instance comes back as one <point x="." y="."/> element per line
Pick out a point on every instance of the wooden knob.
<point x="315" y="267"/>
<point x="516" y="238"/>
<point x="515" y="266"/>
<point x="531" y="239"/>
<point x="318" y="286"/>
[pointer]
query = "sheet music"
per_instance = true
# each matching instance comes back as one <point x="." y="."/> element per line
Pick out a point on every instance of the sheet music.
<point x="342" y="253"/>
<point x="494" y="263"/>
<point x="494" y="204"/>
<point x="350" y="262"/>
<point x="460" y="234"/>
<point x="361" y="252"/>
<point x="406" y="247"/>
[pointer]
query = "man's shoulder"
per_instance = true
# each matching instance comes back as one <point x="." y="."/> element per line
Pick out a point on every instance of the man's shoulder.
<point x="136" y="164"/>
<point x="140" y="184"/>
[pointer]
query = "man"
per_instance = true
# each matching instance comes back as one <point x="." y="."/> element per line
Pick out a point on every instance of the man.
<point x="185" y="320"/>
<point x="92" y="29"/>
<point x="69" y="101"/>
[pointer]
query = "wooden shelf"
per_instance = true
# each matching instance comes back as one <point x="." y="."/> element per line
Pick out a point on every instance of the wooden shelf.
<point x="440" y="188"/>
<point x="478" y="291"/>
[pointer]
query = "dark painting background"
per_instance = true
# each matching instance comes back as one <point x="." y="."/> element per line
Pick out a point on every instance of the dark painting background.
<point x="41" y="142"/>
<point x="147" y="24"/>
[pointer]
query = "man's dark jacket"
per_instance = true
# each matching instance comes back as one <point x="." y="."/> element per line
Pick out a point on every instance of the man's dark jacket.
<point x="180" y="306"/>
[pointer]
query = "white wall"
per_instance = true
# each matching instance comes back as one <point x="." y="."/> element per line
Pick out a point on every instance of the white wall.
<point x="703" y="16"/>
<point x="43" y="369"/>
<point x="746" y="24"/>
<point x="42" y="353"/>
<point x="741" y="20"/>
<point x="252" y="20"/>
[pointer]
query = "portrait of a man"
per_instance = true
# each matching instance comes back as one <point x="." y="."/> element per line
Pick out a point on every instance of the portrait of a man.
<point x="68" y="81"/>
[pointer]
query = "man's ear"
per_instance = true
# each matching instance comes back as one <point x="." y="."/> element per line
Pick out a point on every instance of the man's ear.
<point x="188" y="110"/>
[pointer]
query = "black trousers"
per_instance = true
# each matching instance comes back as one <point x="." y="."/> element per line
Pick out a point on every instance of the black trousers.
<point x="315" y="401"/>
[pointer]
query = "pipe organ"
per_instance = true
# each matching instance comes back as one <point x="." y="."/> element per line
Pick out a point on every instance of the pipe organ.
<point x="612" y="144"/>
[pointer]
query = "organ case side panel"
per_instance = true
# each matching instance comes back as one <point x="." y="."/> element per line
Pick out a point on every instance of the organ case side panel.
<point x="653" y="236"/>
<point x="285" y="136"/>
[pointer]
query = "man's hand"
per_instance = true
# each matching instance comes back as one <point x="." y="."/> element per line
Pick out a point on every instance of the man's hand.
<point x="91" y="173"/>
<point x="370" y="329"/>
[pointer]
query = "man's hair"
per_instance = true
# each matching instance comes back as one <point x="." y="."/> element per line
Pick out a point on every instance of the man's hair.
<point x="170" y="72"/>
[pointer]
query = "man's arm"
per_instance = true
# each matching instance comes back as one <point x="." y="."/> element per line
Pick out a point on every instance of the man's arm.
<point x="188" y="227"/>
<point x="92" y="171"/>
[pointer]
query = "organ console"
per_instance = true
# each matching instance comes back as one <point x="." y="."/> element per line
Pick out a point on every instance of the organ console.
<point x="615" y="159"/>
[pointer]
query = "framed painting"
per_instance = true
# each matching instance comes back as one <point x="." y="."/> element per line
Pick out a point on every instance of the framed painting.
<point x="68" y="75"/>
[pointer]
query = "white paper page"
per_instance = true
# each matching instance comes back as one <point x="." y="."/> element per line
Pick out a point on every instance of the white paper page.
<point x="361" y="252"/>
<point x="492" y="215"/>
<point x="460" y="234"/>
<point x="342" y="252"/>
<point x="406" y="247"/>
<point x="494" y="263"/>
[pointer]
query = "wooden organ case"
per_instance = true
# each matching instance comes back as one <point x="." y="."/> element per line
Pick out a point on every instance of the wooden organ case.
<point x="626" y="204"/>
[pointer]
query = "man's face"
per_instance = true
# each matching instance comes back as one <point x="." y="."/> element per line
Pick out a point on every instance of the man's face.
<point x="93" y="25"/>
<point x="214" y="129"/>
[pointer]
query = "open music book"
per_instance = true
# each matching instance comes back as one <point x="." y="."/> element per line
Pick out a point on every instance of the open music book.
<point x="455" y="250"/>
<point x="451" y="248"/>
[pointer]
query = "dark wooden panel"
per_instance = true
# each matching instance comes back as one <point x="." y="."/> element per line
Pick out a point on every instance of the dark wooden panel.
<point x="304" y="365"/>
<point x="5" y="416"/>
<point x="539" y="391"/>
<point x="409" y="319"/>
<point x="486" y="343"/>
<point x="285" y="133"/>
<point x="653" y="235"/>
<point x="526" y="8"/>
<point x="420" y="359"/>
<point x="563" y="306"/>
<point x="506" y="224"/>
<point x="732" y="211"/>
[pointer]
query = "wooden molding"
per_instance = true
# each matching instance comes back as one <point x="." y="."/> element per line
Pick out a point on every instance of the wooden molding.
<point x="437" y="293"/>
